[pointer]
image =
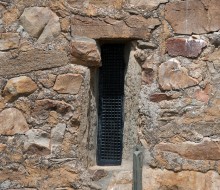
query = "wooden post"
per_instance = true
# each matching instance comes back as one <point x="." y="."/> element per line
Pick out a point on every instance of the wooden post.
<point x="137" y="169"/>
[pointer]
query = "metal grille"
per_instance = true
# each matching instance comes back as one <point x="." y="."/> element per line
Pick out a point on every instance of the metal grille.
<point x="111" y="98"/>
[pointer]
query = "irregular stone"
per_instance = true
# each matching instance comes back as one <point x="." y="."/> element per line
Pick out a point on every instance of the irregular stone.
<point x="140" y="56"/>
<point x="42" y="107"/>
<point x="117" y="4"/>
<point x="148" y="76"/>
<point x="213" y="57"/>
<point x="12" y="122"/>
<point x="146" y="4"/>
<point x="173" y="76"/>
<point x="193" y="16"/>
<point x="121" y="180"/>
<point x="32" y="60"/>
<point x="134" y="27"/>
<point x="19" y="86"/>
<point x="215" y="39"/>
<point x="2" y="103"/>
<point x="40" y="23"/>
<point x="184" y="47"/>
<point x="145" y="45"/>
<point x="47" y="80"/>
<point x="51" y="30"/>
<point x="53" y="118"/>
<point x="65" y="24"/>
<point x="158" y="97"/>
<point x="96" y="7"/>
<point x="208" y="117"/>
<point x="10" y="16"/>
<point x="59" y="176"/>
<point x="105" y="3"/>
<point x="24" y="104"/>
<point x="201" y="95"/>
<point x="135" y="21"/>
<point x="38" y="142"/>
<point x="205" y="150"/>
<point x="9" y="41"/>
<point x="2" y="147"/>
<point x="85" y="51"/>
<point x="68" y="83"/>
<point x="57" y="134"/>
<point x="99" y="174"/>
<point x="162" y="179"/>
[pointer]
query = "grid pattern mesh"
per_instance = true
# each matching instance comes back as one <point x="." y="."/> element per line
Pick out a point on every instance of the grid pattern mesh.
<point x="111" y="98"/>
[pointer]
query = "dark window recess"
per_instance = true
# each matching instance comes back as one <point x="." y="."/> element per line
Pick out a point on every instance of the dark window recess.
<point x="111" y="101"/>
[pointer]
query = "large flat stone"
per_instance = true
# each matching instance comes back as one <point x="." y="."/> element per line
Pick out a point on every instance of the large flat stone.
<point x="193" y="16"/>
<point x="206" y="150"/>
<point x="134" y="27"/>
<point x="68" y="83"/>
<point x="32" y="60"/>
<point x="184" y="47"/>
<point x="157" y="179"/>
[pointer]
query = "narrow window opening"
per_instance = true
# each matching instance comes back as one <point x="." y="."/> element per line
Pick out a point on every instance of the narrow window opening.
<point x="111" y="105"/>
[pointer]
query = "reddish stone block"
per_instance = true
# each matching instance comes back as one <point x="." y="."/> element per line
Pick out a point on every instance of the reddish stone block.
<point x="184" y="47"/>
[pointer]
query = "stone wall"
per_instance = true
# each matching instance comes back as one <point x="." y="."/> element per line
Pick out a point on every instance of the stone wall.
<point x="49" y="58"/>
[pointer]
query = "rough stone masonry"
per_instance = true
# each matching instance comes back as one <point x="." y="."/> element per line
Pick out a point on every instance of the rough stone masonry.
<point x="49" y="52"/>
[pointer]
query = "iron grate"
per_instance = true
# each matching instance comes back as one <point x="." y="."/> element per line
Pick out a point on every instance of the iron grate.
<point x="111" y="100"/>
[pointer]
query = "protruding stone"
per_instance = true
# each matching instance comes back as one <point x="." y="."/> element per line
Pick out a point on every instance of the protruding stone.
<point x="158" y="97"/>
<point x="134" y="27"/>
<point x="193" y="16"/>
<point x="146" y="45"/>
<point x="12" y="122"/>
<point x="173" y="76"/>
<point x="9" y="41"/>
<point x="41" y="23"/>
<point x="68" y="83"/>
<point x="206" y="150"/>
<point x="85" y="51"/>
<point x="38" y="142"/>
<point x="184" y="47"/>
<point x="19" y="86"/>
